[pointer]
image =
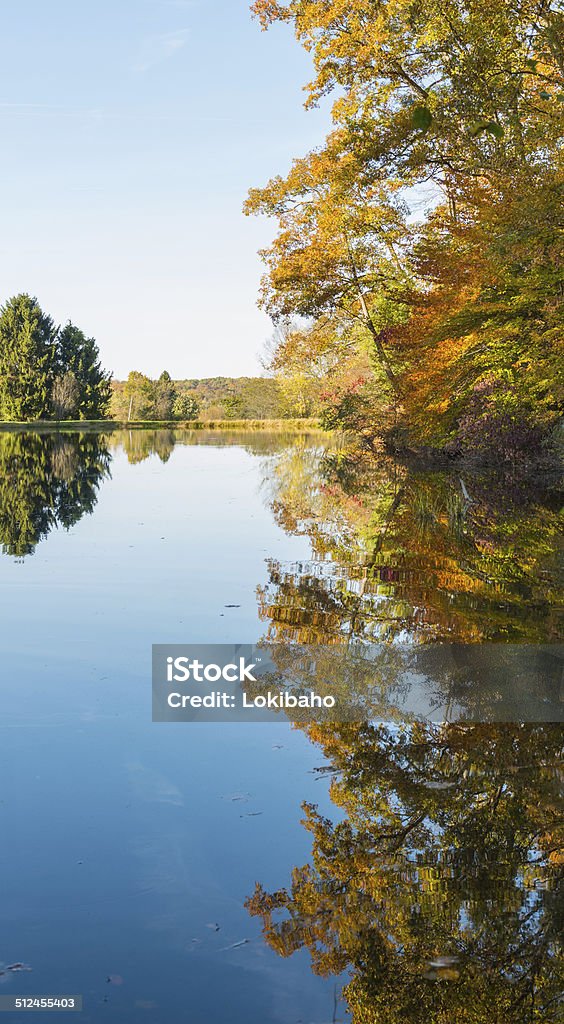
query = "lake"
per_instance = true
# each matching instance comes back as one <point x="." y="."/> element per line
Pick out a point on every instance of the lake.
<point x="402" y="870"/>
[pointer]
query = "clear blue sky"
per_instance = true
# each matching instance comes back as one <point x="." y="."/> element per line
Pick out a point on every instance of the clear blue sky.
<point x="131" y="131"/>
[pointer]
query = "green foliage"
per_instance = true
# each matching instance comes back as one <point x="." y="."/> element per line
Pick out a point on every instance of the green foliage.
<point x="65" y="396"/>
<point x="486" y="126"/>
<point x="234" y="407"/>
<point x="164" y="397"/>
<point x="139" y="393"/>
<point x="140" y="444"/>
<point x="47" y="372"/>
<point x="47" y="481"/>
<point x="27" y="359"/>
<point x="78" y="355"/>
<point x="186" y="408"/>
<point x="421" y="118"/>
<point x="214" y="398"/>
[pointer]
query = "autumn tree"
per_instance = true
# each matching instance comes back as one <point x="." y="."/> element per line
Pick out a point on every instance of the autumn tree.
<point x="483" y="346"/>
<point x="463" y="305"/>
<point x="302" y="358"/>
<point x="338" y="255"/>
<point x="450" y="90"/>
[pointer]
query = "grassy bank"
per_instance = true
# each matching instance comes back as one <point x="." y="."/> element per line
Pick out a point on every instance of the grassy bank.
<point x="110" y="425"/>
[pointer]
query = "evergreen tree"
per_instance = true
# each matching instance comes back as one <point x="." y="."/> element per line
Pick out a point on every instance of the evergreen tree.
<point x="65" y="396"/>
<point x="47" y="372"/>
<point x="165" y="396"/>
<point x="27" y="357"/>
<point x="79" y="355"/>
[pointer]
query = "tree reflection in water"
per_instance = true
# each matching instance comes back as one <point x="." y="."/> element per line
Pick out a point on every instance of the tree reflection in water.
<point x="47" y="480"/>
<point x="420" y="556"/>
<point x="139" y="445"/>
<point x="439" y="888"/>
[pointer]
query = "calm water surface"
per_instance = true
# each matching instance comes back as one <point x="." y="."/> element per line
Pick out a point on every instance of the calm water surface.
<point x="165" y="873"/>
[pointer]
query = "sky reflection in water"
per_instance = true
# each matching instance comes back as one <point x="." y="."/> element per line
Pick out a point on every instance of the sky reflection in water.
<point x="126" y="843"/>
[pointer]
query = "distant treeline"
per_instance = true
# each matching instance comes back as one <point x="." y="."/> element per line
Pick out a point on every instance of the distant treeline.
<point x="54" y="373"/>
<point x="213" y="398"/>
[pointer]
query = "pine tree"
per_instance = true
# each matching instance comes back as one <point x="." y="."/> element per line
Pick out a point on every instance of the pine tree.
<point x="27" y="359"/>
<point x="79" y="355"/>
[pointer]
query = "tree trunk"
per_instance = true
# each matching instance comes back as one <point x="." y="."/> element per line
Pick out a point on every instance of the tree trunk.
<point x="381" y="352"/>
<point x="376" y="335"/>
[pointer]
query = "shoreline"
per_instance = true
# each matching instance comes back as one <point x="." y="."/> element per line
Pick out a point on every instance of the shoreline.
<point x="545" y="464"/>
<point x="79" y="426"/>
